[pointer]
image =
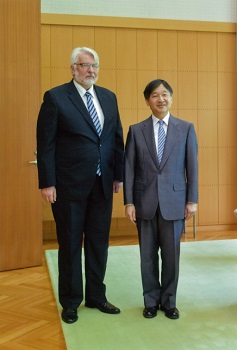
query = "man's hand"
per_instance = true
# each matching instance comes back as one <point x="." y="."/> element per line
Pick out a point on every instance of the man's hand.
<point x="190" y="210"/>
<point x="116" y="186"/>
<point x="130" y="212"/>
<point x="49" y="194"/>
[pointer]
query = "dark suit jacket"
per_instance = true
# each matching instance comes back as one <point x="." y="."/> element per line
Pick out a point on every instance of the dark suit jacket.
<point x="171" y="184"/>
<point x="68" y="146"/>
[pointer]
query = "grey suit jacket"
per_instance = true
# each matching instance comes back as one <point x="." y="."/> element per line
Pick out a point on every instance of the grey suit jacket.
<point x="171" y="184"/>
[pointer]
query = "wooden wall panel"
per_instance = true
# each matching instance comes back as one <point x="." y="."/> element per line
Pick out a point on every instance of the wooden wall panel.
<point x="127" y="92"/>
<point x="187" y="90"/>
<point x="207" y="90"/>
<point x="167" y="50"/>
<point x="226" y="52"/>
<point x="207" y="128"/>
<point x="208" y="160"/>
<point x="46" y="79"/>
<point x="83" y="36"/>
<point x="207" y="52"/>
<point x="108" y="78"/>
<point x="126" y="49"/>
<point x="59" y="75"/>
<point x="227" y="200"/>
<point x="45" y="58"/>
<point x="105" y="45"/>
<point x="129" y="117"/>
<point x="226" y="90"/>
<point x="127" y="97"/>
<point x="60" y="46"/>
<point x="45" y="46"/>
<point x="201" y="68"/>
<point x="227" y="162"/>
<point x="147" y="50"/>
<point x="227" y="127"/>
<point x="188" y="114"/>
<point x="187" y="56"/>
<point x="208" y="211"/>
<point x="118" y="207"/>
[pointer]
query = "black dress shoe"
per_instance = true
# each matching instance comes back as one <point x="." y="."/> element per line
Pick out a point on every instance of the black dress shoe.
<point x="69" y="315"/>
<point x="105" y="307"/>
<point x="173" y="314"/>
<point x="150" y="312"/>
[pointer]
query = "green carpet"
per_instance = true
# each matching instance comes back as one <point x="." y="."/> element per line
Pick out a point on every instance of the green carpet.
<point x="207" y="300"/>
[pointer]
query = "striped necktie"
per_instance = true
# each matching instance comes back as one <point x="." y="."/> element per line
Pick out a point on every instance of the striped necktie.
<point x="95" y="118"/>
<point x="161" y="140"/>
<point x="93" y="113"/>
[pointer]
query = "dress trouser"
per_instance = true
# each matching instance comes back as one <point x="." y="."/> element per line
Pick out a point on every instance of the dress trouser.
<point x="159" y="242"/>
<point x="90" y="219"/>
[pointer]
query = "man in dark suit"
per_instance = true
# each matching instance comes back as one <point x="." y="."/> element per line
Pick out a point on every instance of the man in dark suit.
<point x="160" y="192"/>
<point x="80" y="152"/>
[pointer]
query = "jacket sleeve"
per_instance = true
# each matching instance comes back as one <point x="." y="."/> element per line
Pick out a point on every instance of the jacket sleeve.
<point x="46" y="141"/>
<point x="129" y="168"/>
<point x="119" y="150"/>
<point x="192" y="166"/>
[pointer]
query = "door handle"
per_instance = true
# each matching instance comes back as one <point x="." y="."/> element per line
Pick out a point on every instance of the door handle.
<point x="34" y="162"/>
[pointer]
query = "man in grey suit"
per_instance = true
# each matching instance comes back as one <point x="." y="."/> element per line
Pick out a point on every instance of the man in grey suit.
<point x="80" y="154"/>
<point x="160" y="192"/>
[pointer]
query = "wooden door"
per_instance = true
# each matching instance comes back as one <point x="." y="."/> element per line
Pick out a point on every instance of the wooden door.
<point x="20" y="203"/>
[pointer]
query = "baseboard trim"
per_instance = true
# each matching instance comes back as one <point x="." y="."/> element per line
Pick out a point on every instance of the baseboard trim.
<point x="123" y="227"/>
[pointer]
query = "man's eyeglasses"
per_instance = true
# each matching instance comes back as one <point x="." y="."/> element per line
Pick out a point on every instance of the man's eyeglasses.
<point x="87" y="65"/>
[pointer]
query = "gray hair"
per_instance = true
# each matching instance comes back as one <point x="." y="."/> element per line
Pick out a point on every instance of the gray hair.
<point x="79" y="50"/>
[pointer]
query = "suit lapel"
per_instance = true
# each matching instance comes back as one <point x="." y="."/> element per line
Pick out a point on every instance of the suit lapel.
<point x="76" y="99"/>
<point x="148" y="132"/>
<point x="105" y="106"/>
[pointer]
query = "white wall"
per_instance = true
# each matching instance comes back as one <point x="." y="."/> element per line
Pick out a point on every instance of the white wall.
<point x="193" y="10"/>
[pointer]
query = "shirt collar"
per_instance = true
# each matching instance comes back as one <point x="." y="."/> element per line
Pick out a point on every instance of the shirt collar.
<point x="165" y="119"/>
<point x="82" y="91"/>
